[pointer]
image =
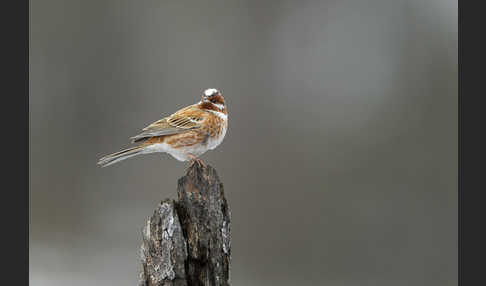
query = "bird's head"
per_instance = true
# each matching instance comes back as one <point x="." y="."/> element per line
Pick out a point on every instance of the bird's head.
<point x="213" y="99"/>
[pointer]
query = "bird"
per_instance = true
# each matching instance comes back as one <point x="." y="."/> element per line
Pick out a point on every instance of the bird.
<point x="185" y="134"/>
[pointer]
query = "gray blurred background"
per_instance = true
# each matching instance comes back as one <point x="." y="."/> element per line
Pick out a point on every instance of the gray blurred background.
<point x="340" y="163"/>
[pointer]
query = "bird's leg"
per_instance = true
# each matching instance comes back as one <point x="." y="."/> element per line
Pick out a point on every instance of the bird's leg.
<point x="195" y="159"/>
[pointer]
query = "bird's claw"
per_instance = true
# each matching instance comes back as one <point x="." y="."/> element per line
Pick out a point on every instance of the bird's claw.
<point x="195" y="160"/>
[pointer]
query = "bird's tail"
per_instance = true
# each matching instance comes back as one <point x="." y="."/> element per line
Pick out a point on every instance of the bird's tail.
<point x="119" y="156"/>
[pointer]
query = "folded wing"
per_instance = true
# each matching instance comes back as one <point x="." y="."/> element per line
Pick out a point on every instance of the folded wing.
<point x="188" y="118"/>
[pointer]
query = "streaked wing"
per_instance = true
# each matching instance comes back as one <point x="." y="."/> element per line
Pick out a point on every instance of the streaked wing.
<point x="185" y="119"/>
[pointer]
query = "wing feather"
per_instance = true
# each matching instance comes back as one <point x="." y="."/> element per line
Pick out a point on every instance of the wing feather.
<point x="188" y="118"/>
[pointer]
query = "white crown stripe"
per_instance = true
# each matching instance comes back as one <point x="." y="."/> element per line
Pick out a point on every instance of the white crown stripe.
<point x="210" y="91"/>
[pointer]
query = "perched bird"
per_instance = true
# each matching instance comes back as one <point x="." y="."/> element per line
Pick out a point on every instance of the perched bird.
<point x="186" y="134"/>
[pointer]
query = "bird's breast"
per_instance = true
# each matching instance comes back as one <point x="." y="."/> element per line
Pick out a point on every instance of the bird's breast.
<point x="217" y="131"/>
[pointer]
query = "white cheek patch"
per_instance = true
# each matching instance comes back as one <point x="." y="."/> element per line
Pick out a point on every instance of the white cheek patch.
<point x="219" y="106"/>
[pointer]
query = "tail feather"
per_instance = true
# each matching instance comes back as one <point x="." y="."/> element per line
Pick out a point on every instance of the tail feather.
<point x="119" y="156"/>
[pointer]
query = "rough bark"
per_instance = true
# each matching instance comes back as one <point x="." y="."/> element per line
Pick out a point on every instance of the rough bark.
<point x="187" y="242"/>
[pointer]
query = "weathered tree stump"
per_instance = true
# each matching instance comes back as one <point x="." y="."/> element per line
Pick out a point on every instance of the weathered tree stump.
<point x="187" y="242"/>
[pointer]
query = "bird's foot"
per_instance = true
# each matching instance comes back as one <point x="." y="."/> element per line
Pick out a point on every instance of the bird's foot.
<point x="196" y="160"/>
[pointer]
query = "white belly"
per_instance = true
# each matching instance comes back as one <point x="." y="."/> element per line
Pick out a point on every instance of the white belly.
<point x="182" y="154"/>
